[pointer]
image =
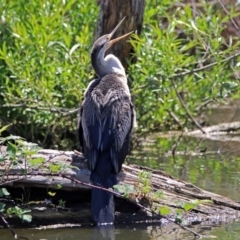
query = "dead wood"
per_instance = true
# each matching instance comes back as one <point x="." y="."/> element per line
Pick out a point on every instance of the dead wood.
<point x="175" y="192"/>
<point x="110" y="14"/>
<point x="215" y="129"/>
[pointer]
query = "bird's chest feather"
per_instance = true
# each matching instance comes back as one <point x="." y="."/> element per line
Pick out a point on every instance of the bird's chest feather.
<point x="107" y="93"/>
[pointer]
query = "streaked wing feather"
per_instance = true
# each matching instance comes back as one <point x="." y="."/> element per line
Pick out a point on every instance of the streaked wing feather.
<point x="107" y="121"/>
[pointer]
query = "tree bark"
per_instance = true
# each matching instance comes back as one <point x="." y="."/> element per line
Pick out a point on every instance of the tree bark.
<point x="111" y="12"/>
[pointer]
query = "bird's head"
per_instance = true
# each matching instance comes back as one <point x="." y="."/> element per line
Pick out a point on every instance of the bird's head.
<point x="101" y="46"/>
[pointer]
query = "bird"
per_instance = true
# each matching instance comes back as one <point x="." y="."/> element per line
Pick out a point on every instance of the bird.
<point x="105" y="124"/>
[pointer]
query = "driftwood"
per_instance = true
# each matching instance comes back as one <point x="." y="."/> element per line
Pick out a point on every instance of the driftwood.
<point x="175" y="192"/>
<point x="215" y="129"/>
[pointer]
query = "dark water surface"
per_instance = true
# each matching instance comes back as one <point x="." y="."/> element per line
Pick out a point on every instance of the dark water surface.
<point x="211" y="165"/>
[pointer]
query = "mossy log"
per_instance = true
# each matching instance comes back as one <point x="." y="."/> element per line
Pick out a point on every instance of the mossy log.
<point x="175" y="192"/>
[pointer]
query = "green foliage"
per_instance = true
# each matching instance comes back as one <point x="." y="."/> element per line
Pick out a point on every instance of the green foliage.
<point x="158" y="194"/>
<point x="187" y="207"/>
<point x="175" y="42"/>
<point x="125" y="189"/>
<point x="51" y="193"/>
<point x="19" y="212"/>
<point x="144" y="182"/>
<point x="22" y="154"/>
<point x="19" y="153"/>
<point x="4" y="192"/>
<point x="142" y="192"/>
<point x="164" y="210"/>
<point x="45" y="65"/>
<point x="142" y="188"/>
<point x="14" y="211"/>
<point x="61" y="203"/>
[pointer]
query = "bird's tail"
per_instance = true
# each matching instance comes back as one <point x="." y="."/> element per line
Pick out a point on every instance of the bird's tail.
<point x="102" y="203"/>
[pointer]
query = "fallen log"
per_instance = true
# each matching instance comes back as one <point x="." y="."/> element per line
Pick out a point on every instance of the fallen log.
<point x="215" y="129"/>
<point x="74" y="178"/>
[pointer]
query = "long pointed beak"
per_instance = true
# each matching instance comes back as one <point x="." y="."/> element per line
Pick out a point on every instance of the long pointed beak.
<point x="110" y="35"/>
<point x="111" y="42"/>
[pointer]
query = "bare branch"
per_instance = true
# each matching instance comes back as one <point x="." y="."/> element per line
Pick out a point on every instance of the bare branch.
<point x="181" y="74"/>
<point x="10" y="229"/>
<point x="63" y="111"/>
<point x="185" y="107"/>
<point x="226" y="11"/>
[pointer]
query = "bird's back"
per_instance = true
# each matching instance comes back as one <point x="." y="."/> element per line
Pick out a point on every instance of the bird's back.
<point x="107" y="120"/>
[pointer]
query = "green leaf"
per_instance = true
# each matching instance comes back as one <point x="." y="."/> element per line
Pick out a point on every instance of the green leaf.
<point x="124" y="189"/>
<point x="179" y="218"/>
<point x="55" y="168"/>
<point x="4" y="128"/>
<point x="74" y="48"/>
<point x="4" y="191"/>
<point x="26" y="217"/>
<point x="158" y="194"/>
<point x="26" y="210"/>
<point x="189" y="206"/>
<point x="2" y="158"/>
<point x="11" y="149"/>
<point x="52" y="193"/>
<point x="12" y="137"/>
<point x="36" y="161"/>
<point x="2" y="207"/>
<point x="164" y="210"/>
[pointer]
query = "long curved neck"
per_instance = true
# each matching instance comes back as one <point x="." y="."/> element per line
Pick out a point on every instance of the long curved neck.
<point x="106" y="65"/>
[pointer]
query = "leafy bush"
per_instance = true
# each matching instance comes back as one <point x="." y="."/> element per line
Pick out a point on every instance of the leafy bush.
<point x="45" y="65"/>
<point x="176" y="44"/>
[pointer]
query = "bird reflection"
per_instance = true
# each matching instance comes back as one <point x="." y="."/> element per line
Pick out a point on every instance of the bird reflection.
<point x="103" y="232"/>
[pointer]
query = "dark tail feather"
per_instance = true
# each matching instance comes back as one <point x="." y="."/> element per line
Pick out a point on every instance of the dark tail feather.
<point x="102" y="203"/>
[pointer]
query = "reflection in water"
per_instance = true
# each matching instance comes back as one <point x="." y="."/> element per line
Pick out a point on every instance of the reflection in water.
<point x="214" y="170"/>
<point x="103" y="232"/>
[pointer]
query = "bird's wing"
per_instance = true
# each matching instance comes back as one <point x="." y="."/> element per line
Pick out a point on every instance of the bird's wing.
<point x="87" y="126"/>
<point x="80" y="129"/>
<point x="105" y="125"/>
<point x="119" y="116"/>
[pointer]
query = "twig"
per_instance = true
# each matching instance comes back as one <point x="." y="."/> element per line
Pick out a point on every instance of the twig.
<point x="226" y="11"/>
<point x="181" y="74"/>
<point x="174" y="148"/>
<point x="175" y="118"/>
<point x="132" y="201"/>
<point x="7" y="225"/>
<point x="185" y="107"/>
<point x="63" y="111"/>
<point x="21" y="176"/>
<point x="114" y="193"/>
<point x="10" y="229"/>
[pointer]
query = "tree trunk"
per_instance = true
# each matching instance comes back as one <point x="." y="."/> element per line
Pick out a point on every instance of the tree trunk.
<point x="110" y="14"/>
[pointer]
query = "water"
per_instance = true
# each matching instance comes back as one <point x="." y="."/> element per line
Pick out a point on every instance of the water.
<point x="211" y="165"/>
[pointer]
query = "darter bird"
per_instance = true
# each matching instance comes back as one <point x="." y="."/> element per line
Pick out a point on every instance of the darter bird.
<point x="105" y="124"/>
